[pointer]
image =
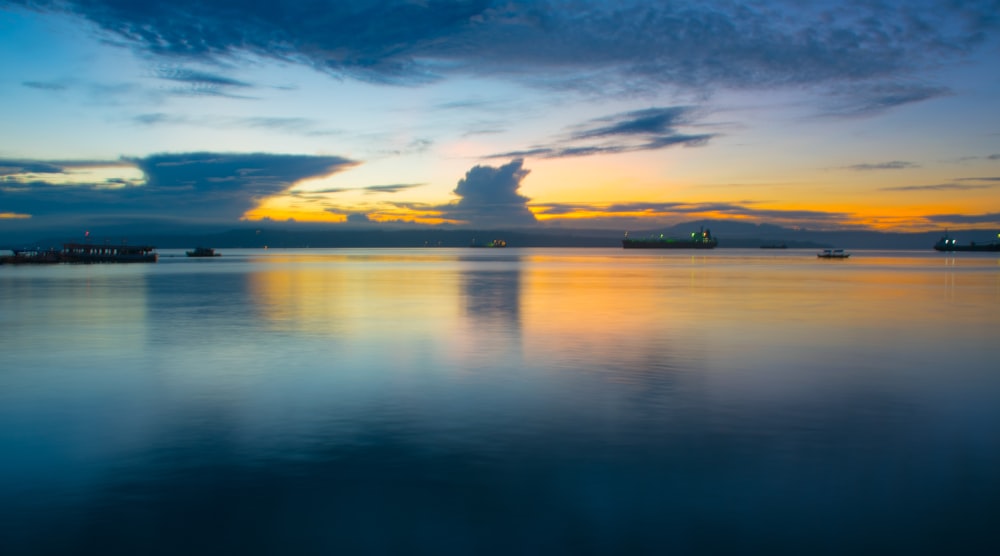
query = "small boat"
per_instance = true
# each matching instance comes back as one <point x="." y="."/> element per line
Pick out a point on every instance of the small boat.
<point x="701" y="239"/>
<point x="833" y="254"/>
<point x="494" y="243"/>
<point x="202" y="252"/>
<point x="947" y="243"/>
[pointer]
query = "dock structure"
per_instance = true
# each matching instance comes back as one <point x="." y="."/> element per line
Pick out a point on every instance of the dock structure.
<point x="107" y="253"/>
<point x="84" y="253"/>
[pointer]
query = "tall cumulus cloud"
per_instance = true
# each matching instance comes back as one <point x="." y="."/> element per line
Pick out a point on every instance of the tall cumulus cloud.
<point x="489" y="197"/>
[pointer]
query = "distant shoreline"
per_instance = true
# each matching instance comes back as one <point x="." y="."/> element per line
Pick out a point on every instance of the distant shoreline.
<point x="730" y="235"/>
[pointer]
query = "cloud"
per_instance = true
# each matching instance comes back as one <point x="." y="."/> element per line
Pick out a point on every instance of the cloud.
<point x="292" y="126"/>
<point x="358" y="218"/>
<point x="367" y="190"/>
<point x="198" y="78"/>
<point x="626" y="208"/>
<point x="652" y="121"/>
<point x="859" y="100"/>
<point x="194" y="187"/>
<point x="201" y="83"/>
<point x="990" y="218"/>
<point x="939" y="187"/>
<point x="673" y="209"/>
<point x="392" y="188"/>
<point x="18" y="167"/>
<point x="489" y="197"/>
<point x="641" y="130"/>
<point x="158" y="118"/>
<point x="590" y="44"/>
<point x="893" y="165"/>
<point x="20" y="170"/>
<point x="647" y="215"/>
<point x="45" y="86"/>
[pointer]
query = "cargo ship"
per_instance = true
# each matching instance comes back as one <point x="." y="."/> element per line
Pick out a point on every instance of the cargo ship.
<point x="702" y="239"/>
<point x="948" y="243"/>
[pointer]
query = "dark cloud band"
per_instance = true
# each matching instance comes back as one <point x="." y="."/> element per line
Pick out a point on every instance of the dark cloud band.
<point x="207" y="187"/>
<point x="700" y="44"/>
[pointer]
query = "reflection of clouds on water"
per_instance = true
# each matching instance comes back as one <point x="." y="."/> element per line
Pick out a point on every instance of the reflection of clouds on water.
<point x="492" y="291"/>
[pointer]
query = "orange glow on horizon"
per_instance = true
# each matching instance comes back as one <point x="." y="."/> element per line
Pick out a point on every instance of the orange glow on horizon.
<point x="282" y="214"/>
<point x="269" y="211"/>
<point x="901" y="219"/>
<point x="603" y="192"/>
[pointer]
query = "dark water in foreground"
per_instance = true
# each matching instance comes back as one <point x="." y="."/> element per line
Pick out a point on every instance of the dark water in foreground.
<point x="502" y="402"/>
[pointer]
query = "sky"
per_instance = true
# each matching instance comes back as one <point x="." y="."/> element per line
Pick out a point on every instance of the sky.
<point x="616" y="115"/>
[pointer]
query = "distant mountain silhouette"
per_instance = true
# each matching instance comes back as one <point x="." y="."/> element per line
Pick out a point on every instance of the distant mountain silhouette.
<point x="742" y="234"/>
<point x="731" y="234"/>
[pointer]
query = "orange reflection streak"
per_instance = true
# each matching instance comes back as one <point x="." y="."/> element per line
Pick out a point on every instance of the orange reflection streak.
<point x="332" y="294"/>
<point x="463" y="310"/>
<point x="659" y="306"/>
<point x="591" y="310"/>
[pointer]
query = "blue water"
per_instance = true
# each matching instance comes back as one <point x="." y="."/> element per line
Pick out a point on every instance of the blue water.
<point x="515" y="401"/>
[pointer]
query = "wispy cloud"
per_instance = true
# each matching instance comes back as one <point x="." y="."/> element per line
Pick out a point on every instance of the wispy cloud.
<point x="198" y="78"/>
<point x="893" y="165"/>
<point x="989" y="218"/>
<point x="644" y="215"/>
<point x="939" y="187"/>
<point x="21" y="167"/>
<point x="26" y="168"/>
<point x="650" y="129"/>
<point x="45" y="85"/>
<point x="391" y="188"/>
<point x="293" y="126"/>
<point x="688" y="209"/>
<point x="158" y="118"/>
<point x="865" y="99"/>
<point x="201" y="83"/>
<point x="653" y="121"/>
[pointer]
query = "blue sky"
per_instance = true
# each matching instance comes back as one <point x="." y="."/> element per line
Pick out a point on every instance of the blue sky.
<point x="882" y="115"/>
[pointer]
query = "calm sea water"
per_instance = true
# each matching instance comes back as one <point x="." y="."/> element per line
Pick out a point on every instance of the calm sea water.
<point x="516" y="401"/>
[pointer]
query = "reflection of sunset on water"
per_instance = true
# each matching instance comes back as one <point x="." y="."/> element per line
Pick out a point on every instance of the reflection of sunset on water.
<point x="612" y="308"/>
<point x="342" y="295"/>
